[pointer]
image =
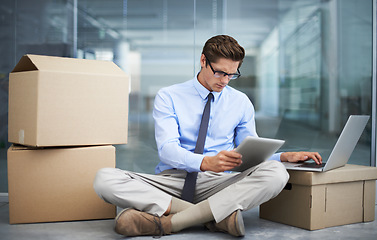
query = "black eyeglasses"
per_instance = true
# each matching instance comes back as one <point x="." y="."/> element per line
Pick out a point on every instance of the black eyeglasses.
<point x="219" y="74"/>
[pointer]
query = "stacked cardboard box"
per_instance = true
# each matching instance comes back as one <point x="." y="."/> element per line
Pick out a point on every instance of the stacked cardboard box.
<point x="64" y="116"/>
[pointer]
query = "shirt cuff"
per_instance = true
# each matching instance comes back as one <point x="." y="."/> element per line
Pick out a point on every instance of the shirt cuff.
<point x="276" y="157"/>
<point x="194" y="162"/>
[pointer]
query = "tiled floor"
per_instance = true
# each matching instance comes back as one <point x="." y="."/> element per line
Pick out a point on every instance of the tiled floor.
<point x="140" y="155"/>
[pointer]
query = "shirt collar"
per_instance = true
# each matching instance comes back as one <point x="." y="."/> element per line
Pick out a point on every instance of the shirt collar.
<point x="203" y="92"/>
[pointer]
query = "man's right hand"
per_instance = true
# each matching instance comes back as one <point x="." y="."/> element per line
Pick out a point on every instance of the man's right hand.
<point x="223" y="161"/>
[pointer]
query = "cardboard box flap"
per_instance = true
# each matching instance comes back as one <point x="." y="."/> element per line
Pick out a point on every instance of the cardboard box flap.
<point x="31" y="62"/>
<point x="25" y="64"/>
<point x="17" y="147"/>
<point x="343" y="174"/>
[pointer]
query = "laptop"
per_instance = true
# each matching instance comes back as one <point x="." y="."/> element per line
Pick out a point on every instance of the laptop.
<point x="255" y="150"/>
<point x="342" y="150"/>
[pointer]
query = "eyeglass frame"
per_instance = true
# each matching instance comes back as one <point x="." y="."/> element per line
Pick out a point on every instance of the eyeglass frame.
<point x="223" y="74"/>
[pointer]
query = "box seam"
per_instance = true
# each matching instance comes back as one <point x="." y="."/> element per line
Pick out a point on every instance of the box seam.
<point x="363" y="202"/>
<point x="38" y="112"/>
<point x="326" y="198"/>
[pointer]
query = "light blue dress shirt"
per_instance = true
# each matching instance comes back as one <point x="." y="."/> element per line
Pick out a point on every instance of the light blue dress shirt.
<point x="177" y="113"/>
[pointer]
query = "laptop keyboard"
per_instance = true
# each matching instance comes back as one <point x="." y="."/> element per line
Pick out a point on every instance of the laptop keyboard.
<point x="312" y="165"/>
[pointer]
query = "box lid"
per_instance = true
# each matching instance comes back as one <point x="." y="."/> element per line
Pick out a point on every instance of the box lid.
<point x="348" y="173"/>
<point x="32" y="62"/>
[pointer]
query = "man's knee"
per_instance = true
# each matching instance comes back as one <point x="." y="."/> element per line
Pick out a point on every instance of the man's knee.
<point x="281" y="172"/>
<point x="278" y="175"/>
<point x="104" y="180"/>
<point x="99" y="181"/>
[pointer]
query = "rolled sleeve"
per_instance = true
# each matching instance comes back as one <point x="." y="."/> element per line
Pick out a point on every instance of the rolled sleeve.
<point x="167" y="134"/>
<point x="172" y="155"/>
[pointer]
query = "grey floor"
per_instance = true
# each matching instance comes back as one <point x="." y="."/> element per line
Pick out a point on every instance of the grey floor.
<point x="256" y="228"/>
<point x="140" y="155"/>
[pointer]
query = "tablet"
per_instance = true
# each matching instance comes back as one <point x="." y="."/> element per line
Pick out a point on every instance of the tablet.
<point x="255" y="150"/>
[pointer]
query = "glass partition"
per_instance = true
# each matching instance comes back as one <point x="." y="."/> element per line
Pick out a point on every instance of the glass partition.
<point x="308" y="63"/>
<point x="312" y="71"/>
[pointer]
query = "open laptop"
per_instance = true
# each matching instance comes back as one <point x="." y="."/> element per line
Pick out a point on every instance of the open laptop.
<point x="255" y="150"/>
<point x="342" y="150"/>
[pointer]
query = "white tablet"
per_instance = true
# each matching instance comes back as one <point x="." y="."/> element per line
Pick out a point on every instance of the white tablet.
<point x="255" y="150"/>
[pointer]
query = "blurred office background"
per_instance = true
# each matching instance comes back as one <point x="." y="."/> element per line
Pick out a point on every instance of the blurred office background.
<point x="308" y="66"/>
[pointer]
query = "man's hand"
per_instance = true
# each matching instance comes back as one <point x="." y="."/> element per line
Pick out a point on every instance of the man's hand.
<point x="300" y="157"/>
<point x="223" y="161"/>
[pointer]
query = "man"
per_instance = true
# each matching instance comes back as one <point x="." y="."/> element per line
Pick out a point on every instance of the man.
<point x="152" y="202"/>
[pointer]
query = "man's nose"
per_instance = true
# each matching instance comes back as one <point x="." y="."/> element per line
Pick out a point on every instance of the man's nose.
<point x="225" y="79"/>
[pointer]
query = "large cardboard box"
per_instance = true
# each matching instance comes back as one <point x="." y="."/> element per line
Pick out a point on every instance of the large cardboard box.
<point x="56" y="184"/>
<point x="319" y="200"/>
<point x="55" y="101"/>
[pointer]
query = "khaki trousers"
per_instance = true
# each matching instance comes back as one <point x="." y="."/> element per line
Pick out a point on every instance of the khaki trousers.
<point x="226" y="192"/>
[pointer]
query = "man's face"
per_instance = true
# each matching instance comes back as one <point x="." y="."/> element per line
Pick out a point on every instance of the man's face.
<point x="206" y="76"/>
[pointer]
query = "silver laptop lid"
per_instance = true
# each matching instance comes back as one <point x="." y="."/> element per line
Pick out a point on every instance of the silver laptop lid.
<point x="346" y="142"/>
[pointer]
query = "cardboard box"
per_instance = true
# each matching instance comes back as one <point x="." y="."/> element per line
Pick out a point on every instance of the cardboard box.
<point x="56" y="101"/>
<point x="319" y="200"/>
<point x="56" y="184"/>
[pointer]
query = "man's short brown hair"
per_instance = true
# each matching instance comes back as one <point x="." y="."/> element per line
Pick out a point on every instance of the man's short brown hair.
<point x="223" y="46"/>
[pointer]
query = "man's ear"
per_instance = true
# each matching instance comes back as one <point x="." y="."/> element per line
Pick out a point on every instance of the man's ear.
<point x="203" y="61"/>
